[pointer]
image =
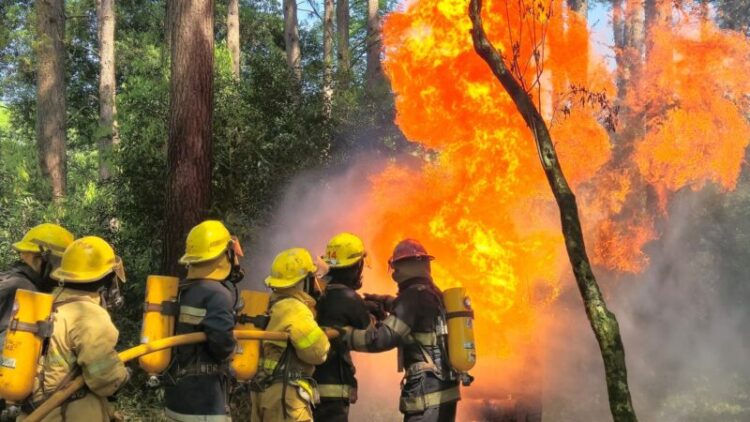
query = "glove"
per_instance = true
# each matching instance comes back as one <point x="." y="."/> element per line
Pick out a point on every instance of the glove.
<point x="345" y="335"/>
<point x="376" y="309"/>
<point x="385" y="300"/>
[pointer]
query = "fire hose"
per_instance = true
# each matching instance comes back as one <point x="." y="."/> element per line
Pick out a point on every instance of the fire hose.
<point x="58" y="398"/>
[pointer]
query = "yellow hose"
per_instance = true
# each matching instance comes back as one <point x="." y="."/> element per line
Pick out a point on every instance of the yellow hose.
<point x="57" y="398"/>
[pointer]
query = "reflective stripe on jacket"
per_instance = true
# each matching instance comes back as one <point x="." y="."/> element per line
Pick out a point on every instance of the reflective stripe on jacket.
<point x="199" y="372"/>
<point x="292" y="312"/>
<point x="340" y="306"/>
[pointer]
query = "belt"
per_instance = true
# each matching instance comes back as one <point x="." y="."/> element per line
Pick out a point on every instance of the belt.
<point x="29" y="406"/>
<point x="201" y="369"/>
<point x="420" y="367"/>
<point x="335" y="391"/>
<point x="418" y="404"/>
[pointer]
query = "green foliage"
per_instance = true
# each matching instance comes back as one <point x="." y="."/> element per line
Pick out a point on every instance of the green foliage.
<point x="267" y="128"/>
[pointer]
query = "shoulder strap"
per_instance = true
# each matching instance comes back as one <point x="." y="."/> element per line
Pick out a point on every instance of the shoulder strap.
<point x="57" y="305"/>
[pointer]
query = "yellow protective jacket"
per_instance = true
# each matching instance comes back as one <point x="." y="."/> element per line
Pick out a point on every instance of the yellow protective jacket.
<point x="83" y="340"/>
<point x="292" y="311"/>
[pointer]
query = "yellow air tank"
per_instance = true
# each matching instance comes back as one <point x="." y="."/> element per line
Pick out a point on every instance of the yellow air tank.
<point x="159" y="313"/>
<point x="245" y="361"/>
<point x="29" y="326"/>
<point x="462" y="351"/>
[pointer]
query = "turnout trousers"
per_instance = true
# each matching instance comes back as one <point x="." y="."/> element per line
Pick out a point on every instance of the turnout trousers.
<point x="267" y="405"/>
<point x="443" y="413"/>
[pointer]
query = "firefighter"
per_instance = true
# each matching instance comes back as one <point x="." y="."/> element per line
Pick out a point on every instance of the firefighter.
<point x="284" y="388"/>
<point x="429" y="392"/>
<point x="340" y="305"/>
<point x="39" y="252"/>
<point x="83" y="336"/>
<point x="198" y="376"/>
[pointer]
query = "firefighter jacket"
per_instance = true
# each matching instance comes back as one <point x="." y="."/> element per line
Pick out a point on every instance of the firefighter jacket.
<point x="82" y="343"/>
<point x="292" y="311"/>
<point x="199" y="373"/>
<point x="411" y="326"/>
<point x="21" y="276"/>
<point x="340" y="306"/>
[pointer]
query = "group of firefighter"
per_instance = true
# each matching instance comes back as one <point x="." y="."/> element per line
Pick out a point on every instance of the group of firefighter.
<point x="308" y="377"/>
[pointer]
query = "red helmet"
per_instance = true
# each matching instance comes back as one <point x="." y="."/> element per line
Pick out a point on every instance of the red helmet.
<point x="409" y="248"/>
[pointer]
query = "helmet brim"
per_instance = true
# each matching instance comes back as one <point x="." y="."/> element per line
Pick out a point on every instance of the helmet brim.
<point x="79" y="277"/>
<point x="343" y="263"/>
<point x="421" y="256"/>
<point x="188" y="259"/>
<point x="281" y="283"/>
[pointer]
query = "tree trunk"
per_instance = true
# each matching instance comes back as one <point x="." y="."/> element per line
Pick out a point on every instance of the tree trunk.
<point x="603" y="322"/>
<point x="50" y="93"/>
<point x="579" y="6"/>
<point x="189" y="150"/>
<point x="105" y="12"/>
<point x="342" y="31"/>
<point x="168" y="23"/>
<point x="618" y="29"/>
<point x="328" y="57"/>
<point x="233" y="36"/>
<point x="656" y="12"/>
<point x="374" y="71"/>
<point x="291" y="38"/>
<point x="634" y="38"/>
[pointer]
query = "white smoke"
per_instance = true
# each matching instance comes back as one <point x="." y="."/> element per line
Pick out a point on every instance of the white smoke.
<point x="686" y="344"/>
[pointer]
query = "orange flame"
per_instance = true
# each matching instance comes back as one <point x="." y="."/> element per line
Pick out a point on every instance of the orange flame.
<point x="482" y="205"/>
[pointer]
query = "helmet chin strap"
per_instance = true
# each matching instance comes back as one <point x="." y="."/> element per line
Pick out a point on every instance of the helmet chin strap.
<point x="311" y="286"/>
<point x="236" y="274"/>
<point x="45" y="270"/>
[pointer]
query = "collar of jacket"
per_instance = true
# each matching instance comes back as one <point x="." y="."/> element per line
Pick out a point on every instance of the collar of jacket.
<point x="27" y="272"/>
<point x="293" y="293"/>
<point x="414" y="282"/>
<point x="65" y="293"/>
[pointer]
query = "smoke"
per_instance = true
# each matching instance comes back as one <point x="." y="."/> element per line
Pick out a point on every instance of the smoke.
<point x="686" y="340"/>
<point x="315" y="206"/>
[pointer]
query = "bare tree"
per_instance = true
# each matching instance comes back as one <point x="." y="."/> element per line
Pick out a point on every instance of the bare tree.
<point x="328" y="7"/>
<point x="603" y="322"/>
<point x="233" y="36"/>
<point x="342" y="31"/>
<point x="189" y="149"/>
<point x="50" y="93"/>
<point x="374" y="71"/>
<point x="105" y="12"/>
<point x="291" y="38"/>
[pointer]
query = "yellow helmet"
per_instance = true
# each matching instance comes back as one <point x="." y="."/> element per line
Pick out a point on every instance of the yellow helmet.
<point x="88" y="259"/>
<point x="290" y="267"/>
<point x="45" y="236"/>
<point x="343" y="250"/>
<point x="206" y="241"/>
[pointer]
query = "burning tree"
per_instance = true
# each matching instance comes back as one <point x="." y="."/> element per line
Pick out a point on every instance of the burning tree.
<point x="512" y="77"/>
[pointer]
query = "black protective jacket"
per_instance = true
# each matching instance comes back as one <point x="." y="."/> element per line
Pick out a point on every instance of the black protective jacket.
<point x="21" y="276"/>
<point x="339" y="306"/>
<point x="412" y="327"/>
<point x="199" y="373"/>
